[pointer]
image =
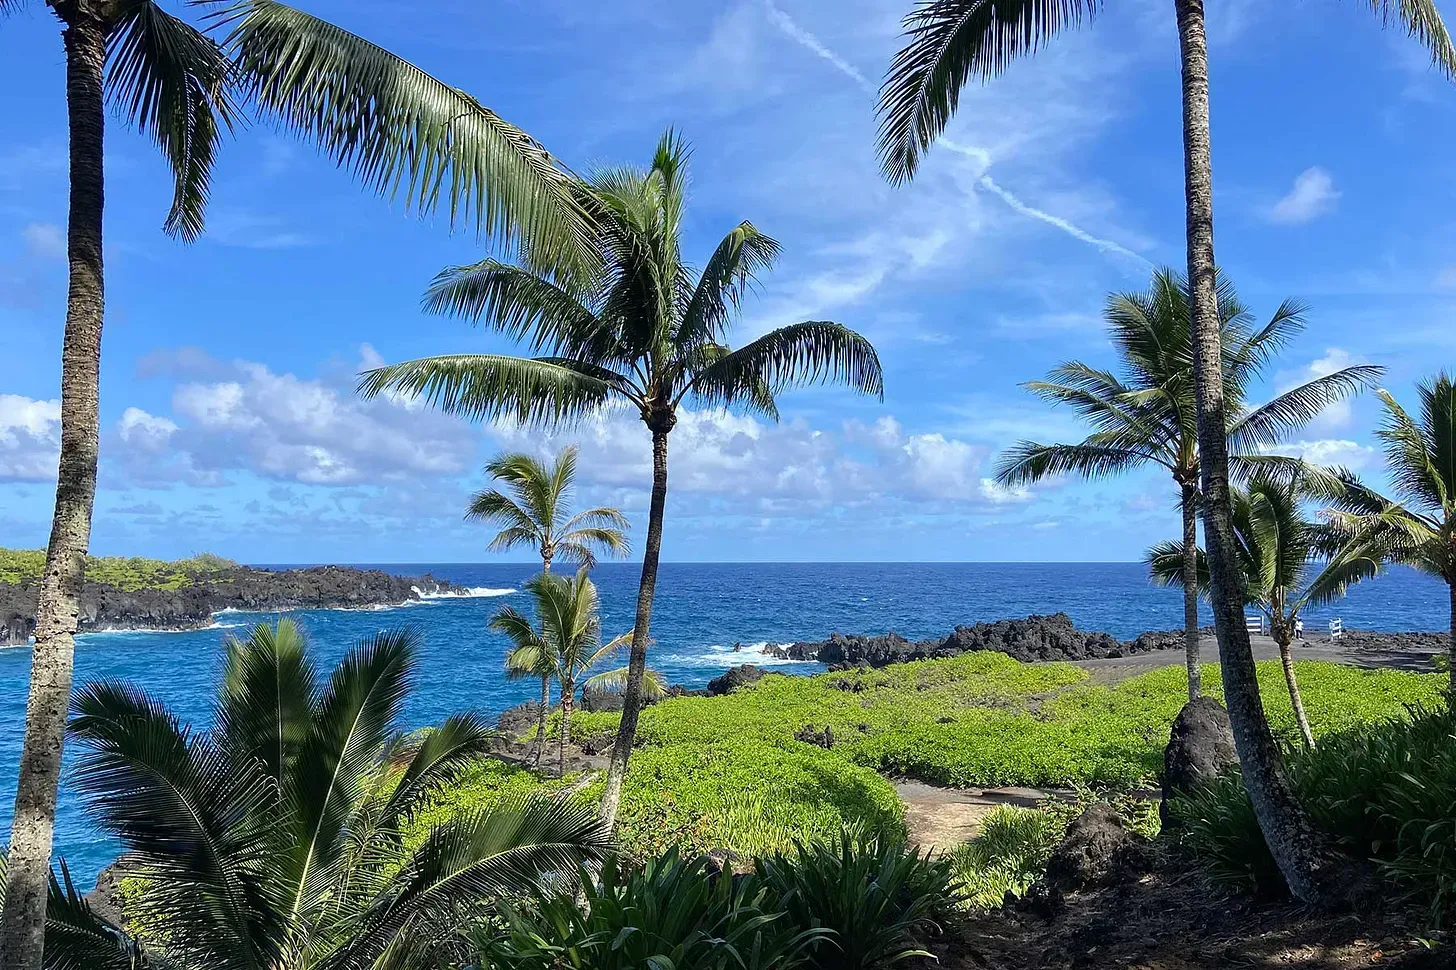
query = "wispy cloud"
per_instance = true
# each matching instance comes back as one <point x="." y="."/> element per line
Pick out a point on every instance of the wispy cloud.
<point x="1313" y="195"/>
<point x="790" y="27"/>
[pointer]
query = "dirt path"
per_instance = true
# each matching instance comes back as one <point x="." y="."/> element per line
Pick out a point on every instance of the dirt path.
<point x="1110" y="670"/>
<point x="942" y="818"/>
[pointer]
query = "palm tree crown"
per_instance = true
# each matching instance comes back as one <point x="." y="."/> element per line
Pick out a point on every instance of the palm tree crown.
<point x="538" y="511"/>
<point x="1417" y="528"/>
<point x="273" y="840"/>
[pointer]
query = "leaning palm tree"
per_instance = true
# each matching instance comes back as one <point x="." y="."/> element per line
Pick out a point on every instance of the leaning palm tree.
<point x="1418" y="527"/>
<point x="1286" y="563"/>
<point x="948" y="42"/>
<point x="401" y="131"/>
<point x="276" y="837"/>
<point x="538" y="514"/>
<point x="645" y="332"/>
<point x="568" y="640"/>
<point x="528" y="660"/>
<point x="1148" y="416"/>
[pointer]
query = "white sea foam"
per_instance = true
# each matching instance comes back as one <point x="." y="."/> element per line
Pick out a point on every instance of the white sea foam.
<point x="133" y="631"/>
<point x="719" y="656"/>
<point x="467" y="593"/>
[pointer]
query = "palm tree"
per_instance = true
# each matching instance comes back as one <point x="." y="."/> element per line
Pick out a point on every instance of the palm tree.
<point x="1148" y="417"/>
<point x="1286" y="563"/>
<point x="400" y="130"/>
<point x="273" y="839"/>
<point x="75" y="937"/>
<point x="539" y="516"/>
<point x="568" y="641"/>
<point x="645" y="331"/>
<point x="1418" y="528"/>
<point x="950" y="41"/>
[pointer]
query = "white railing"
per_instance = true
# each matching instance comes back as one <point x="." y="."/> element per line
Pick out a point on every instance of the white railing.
<point x="1337" y="628"/>
<point x="1254" y="624"/>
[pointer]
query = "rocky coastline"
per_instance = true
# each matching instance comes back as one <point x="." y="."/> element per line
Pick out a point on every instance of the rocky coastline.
<point x="191" y="607"/>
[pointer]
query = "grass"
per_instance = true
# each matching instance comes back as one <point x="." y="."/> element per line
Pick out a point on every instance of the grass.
<point x="125" y="573"/>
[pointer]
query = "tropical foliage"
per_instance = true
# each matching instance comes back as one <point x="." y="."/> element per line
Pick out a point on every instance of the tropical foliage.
<point x="1286" y="561"/>
<point x="129" y="573"/>
<point x="1149" y="416"/>
<point x="274" y="839"/>
<point x="1418" y="526"/>
<point x="645" y="331"/>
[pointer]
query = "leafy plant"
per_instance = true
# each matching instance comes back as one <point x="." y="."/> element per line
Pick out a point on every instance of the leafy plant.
<point x="276" y="838"/>
<point x="1008" y="855"/>
<point x="672" y="913"/>
<point x="881" y="900"/>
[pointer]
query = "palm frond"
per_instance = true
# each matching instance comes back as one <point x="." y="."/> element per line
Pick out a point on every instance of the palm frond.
<point x="802" y="353"/>
<point x="172" y="82"/>
<point x="654" y="685"/>
<point x="456" y="743"/>
<point x="731" y="270"/>
<point x="1423" y="22"/>
<point x="266" y="697"/>
<point x="1165" y="566"/>
<point x="947" y="42"/>
<point x="1027" y="462"/>
<point x="488" y="386"/>
<point x="1297" y="407"/>
<point x="404" y="133"/>
<point x="77" y="939"/>
<point x="1408" y="456"/>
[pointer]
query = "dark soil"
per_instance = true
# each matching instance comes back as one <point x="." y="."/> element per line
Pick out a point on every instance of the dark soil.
<point x="1172" y="919"/>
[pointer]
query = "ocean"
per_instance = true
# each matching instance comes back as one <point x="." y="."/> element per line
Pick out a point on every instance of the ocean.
<point x="702" y="611"/>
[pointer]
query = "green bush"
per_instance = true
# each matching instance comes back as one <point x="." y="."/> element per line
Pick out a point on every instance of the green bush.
<point x="1386" y="789"/>
<point x="670" y="913"/>
<point x="1008" y="856"/>
<point x="129" y="574"/>
<point x="881" y="901"/>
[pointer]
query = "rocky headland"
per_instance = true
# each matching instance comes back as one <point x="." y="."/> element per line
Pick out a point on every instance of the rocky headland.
<point x="190" y="607"/>
<point x="1034" y="638"/>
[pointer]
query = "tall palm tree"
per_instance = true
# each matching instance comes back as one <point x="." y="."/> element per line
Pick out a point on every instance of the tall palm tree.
<point x="400" y="130"/>
<point x="646" y="332"/>
<point x="568" y="640"/>
<point x="1148" y="417"/>
<point x="1286" y="562"/>
<point x="1418" y="527"/>
<point x="950" y="41"/>
<point x="538" y="514"/>
<point x="273" y="839"/>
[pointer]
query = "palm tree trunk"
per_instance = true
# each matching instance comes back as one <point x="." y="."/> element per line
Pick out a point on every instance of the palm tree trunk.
<point x="567" y="690"/>
<point x="541" y="718"/>
<point x="1314" y="872"/>
<point x="1286" y="658"/>
<point x="1190" y="590"/>
<point x="1451" y="653"/>
<point x="22" y="925"/>
<point x="637" y="662"/>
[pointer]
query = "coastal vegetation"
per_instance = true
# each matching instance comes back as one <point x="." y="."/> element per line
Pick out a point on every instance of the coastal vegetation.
<point x="1149" y="415"/>
<point x="646" y="331"/>
<point x="128" y="573"/>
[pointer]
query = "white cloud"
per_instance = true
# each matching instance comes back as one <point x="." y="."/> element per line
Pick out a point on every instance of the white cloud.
<point x="1331" y="451"/>
<point x="30" y="439"/>
<point x="45" y="239"/>
<point x="1001" y="494"/>
<point x="1313" y="195"/>
<point x="788" y="25"/>
<point x="1339" y="414"/>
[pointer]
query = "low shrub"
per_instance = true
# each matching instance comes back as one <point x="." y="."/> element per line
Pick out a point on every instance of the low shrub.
<point x="1008" y="856"/>
<point x="1386" y="789"/>
<point x="670" y="913"/>
<point x="125" y="573"/>
<point x="880" y="901"/>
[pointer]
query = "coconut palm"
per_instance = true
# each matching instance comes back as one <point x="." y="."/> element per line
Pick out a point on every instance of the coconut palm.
<point x="1418" y="527"/>
<point x="947" y="43"/>
<point x="75" y="937"/>
<point x="400" y="130"/>
<point x="646" y="332"/>
<point x="568" y="640"/>
<point x="1148" y="416"/>
<point x="538" y="514"/>
<point x="1285" y="563"/>
<point x="274" y="840"/>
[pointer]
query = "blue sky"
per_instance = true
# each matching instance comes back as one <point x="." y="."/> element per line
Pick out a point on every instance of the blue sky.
<point x="229" y="423"/>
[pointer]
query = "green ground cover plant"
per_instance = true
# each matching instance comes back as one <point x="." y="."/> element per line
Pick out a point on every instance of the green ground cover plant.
<point x="129" y="573"/>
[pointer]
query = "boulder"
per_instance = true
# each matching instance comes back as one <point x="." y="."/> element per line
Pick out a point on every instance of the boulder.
<point x="736" y="677"/>
<point x="106" y="899"/>
<point x="1098" y="850"/>
<point x="810" y="734"/>
<point x="518" y="719"/>
<point x="1200" y="748"/>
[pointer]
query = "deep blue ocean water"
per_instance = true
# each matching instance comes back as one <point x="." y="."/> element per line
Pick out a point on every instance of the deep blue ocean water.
<point x="701" y="611"/>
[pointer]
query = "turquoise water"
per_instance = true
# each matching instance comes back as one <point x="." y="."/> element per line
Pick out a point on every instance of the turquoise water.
<point x="702" y="610"/>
